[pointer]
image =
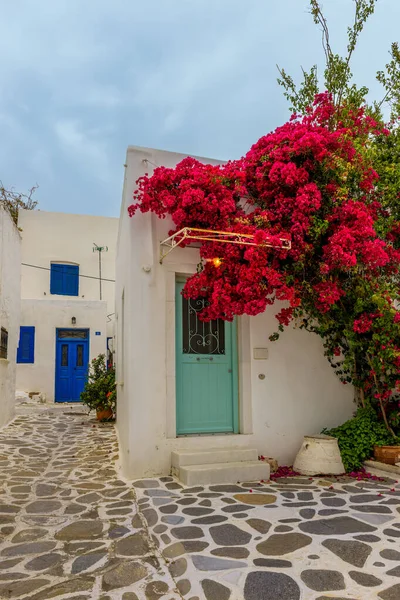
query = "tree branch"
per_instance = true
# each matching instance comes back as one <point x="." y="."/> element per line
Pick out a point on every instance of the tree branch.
<point x="383" y="411"/>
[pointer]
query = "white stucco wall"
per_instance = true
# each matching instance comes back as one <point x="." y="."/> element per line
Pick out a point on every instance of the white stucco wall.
<point x="10" y="286"/>
<point x="299" y="395"/>
<point x="46" y="316"/>
<point x="58" y="237"/>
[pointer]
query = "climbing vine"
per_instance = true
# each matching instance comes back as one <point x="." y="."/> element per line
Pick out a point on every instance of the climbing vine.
<point x="316" y="186"/>
<point x="328" y="181"/>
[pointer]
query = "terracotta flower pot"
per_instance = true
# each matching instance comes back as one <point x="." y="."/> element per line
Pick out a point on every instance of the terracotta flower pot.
<point x="387" y="454"/>
<point x="104" y="413"/>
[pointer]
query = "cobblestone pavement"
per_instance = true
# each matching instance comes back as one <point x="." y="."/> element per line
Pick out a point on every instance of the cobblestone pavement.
<point x="72" y="529"/>
<point x="69" y="526"/>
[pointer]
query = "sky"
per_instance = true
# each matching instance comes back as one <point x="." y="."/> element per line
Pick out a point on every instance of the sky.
<point x="83" y="79"/>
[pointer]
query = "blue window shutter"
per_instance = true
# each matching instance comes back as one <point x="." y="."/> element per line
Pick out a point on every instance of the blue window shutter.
<point x="71" y="280"/>
<point x="64" y="279"/>
<point x="56" y="278"/>
<point x="26" y="347"/>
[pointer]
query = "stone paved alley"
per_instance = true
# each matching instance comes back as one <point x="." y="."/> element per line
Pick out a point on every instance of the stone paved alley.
<point x="71" y="528"/>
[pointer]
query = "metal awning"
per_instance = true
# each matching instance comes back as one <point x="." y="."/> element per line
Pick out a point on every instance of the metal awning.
<point x="210" y="235"/>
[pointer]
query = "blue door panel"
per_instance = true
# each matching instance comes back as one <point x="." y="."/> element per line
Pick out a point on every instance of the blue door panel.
<point x="63" y="381"/>
<point x="64" y="391"/>
<point x="72" y="361"/>
<point x="80" y="362"/>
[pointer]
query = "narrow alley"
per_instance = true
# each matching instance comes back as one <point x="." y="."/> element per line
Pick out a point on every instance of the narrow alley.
<point x="69" y="527"/>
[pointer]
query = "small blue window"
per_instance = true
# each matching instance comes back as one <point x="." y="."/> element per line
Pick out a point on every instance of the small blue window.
<point x="26" y="346"/>
<point x="64" y="279"/>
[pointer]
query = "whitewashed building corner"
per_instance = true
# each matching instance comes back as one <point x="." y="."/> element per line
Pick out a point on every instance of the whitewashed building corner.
<point x="67" y="300"/>
<point x="10" y="291"/>
<point x="177" y="408"/>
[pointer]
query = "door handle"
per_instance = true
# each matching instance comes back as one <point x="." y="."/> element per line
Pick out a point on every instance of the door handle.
<point x="211" y="358"/>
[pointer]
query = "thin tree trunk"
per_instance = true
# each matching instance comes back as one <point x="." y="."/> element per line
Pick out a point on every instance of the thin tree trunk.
<point x="390" y="430"/>
<point x="359" y="391"/>
<point x="362" y="397"/>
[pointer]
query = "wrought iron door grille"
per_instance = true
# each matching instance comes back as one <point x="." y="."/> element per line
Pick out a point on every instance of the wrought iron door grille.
<point x="200" y="337"/>
<point x="81" y="334"/>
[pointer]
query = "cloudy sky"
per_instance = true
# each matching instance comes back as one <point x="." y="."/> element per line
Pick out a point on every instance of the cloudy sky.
<point x="83" y="79"/>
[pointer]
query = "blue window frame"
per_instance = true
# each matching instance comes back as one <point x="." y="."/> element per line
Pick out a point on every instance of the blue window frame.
<point x="26" y="346"/>
<point x="64" y="279"/>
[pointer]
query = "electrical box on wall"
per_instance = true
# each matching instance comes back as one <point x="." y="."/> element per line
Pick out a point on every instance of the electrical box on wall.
<point x="260" y="353"/>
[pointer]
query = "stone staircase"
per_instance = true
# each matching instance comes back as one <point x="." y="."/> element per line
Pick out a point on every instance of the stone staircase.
<point x="219" y="465"/>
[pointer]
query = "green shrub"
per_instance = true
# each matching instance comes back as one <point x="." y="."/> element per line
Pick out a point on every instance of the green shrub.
<point x="100" y="391"/>
<point x="358" y="436"/>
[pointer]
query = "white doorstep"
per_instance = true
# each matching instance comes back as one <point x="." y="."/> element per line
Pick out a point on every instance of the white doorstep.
<point x="181" y="458"/>
<point x="232" y="472"/>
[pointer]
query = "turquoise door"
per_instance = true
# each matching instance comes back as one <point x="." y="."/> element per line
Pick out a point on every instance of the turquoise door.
<point x="206" y="371"/>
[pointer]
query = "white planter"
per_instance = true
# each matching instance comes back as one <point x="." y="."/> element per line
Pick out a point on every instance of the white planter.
<point x="319" y="455"/>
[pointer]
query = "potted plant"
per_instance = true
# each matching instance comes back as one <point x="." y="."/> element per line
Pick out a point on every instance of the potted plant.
<point x="389" y="452"/>
<point x="389" y="455"/>
<point x="100" y="393"/>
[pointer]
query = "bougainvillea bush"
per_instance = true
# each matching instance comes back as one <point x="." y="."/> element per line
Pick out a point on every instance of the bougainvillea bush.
<point x="312" y="181"/>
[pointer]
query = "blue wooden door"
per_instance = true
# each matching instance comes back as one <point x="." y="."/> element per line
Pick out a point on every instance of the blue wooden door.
<point x="72" y="359"/>
<point x="206" y="371"/>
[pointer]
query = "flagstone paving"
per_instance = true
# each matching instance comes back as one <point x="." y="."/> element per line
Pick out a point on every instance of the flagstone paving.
<point x="69" y="525"/>
<point x="263" y="541"/>
<point x="71" y="528"/>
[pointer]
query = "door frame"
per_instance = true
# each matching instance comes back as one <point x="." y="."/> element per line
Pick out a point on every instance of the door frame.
<point x="168" y="289"/>
<point x="234" y="365"/>
<point x="58" y="341"/>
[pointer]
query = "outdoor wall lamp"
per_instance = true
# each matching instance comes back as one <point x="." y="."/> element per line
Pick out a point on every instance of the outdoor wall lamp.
<point x="217" y="262"/>
<point x="73" y="320"/>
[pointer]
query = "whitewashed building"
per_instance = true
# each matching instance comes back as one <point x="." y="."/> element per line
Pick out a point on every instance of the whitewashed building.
<point x="183" y="408"/>
<point x="9" y="312"/>
<point x="67" y="300"/>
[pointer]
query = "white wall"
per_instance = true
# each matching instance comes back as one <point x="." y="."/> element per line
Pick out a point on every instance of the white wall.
<point x="57" y="237"/>
<point x="46" y="316"/>
<point x="299" y="395"/>
<point x="9" y="310"/>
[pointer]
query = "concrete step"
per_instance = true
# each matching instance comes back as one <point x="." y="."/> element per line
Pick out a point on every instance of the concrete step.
<point x="381" y="469"/>
<point x="228" y="472"/>
<point x="182" y="458"/>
